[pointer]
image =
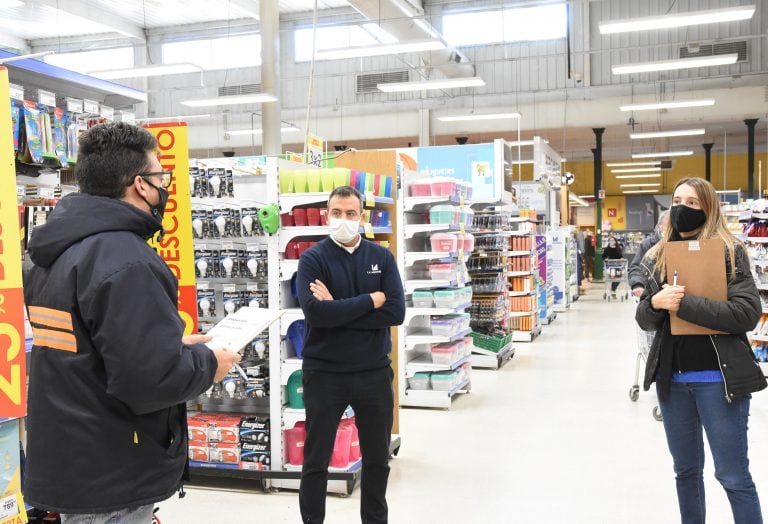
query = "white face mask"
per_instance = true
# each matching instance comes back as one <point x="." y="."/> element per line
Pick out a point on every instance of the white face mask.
<point x="343" y="231"/>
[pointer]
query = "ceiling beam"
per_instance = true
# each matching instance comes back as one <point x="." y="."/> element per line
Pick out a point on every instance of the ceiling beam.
<point x="93" y="13"/>
<point x="247" y="8"/>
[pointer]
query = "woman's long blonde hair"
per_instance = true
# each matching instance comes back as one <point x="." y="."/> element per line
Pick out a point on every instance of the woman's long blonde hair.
<point x="712" y="228"/>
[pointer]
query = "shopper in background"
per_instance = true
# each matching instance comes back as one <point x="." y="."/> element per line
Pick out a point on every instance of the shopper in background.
<point x="110" y="370"/>
<point x="613" y="251"/>
<point x="351" y="294"/>
<point x="695" y="391"/>
<point x="589" y="256"/>
<point x="636" y="268"/>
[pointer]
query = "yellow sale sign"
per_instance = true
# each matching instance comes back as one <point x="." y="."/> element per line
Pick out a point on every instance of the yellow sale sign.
<point x="13" y="389"/>
<point x="176" y="247"/>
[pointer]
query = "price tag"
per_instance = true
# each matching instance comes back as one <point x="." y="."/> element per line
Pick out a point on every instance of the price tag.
<point x="9" y="507"/>
<point x="21" y="190"/>
<point x="90" y="106"/>
<point x="370" y="200"/>
<point x="128" y="117"/>
<point x="74" y="105"/>
<point x="315" y="150"/>
<point x="46" y="98"/>
<point x="368" y="228"/>
<point x="461" y="256"/>
<point x="107" y="112"/>
<point x="461" y="228"/>
<point x="17" y="92"/>
<point x="461" y="200"/>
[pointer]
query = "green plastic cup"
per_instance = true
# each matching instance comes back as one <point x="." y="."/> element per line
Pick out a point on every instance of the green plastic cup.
<point x="286" y="181"/>
<point x="300" y="181"/>
<point x="313" y="180"/>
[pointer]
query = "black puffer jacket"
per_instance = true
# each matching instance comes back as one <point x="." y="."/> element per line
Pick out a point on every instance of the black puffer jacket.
<point x="109" y="375"/>
<point x="636" y="272"/>
<point x="737" y="315"/>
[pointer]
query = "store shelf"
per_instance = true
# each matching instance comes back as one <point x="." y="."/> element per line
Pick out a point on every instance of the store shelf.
<point x="292" y="415"/>
<point x="757" y="338"/>
<point x="515" y="314"/>
<point x="288" y="268"/>
<point x="288" y="367"/>
<point x="413" y="229"/>
<point x="760" y="216"/>
<point x="758" y="240"/>
<point x="491" y="360"/>
<point x="430" y="398"/>
<point x="411" y="202"/>
<point x="424" y="363"/>
<point x="522" y="219"/>
<point x="288" y="317"/>
<point x="425" y="337"/>
<point x="520" y="293"/>
<point x="415" y="256"/>
<point x="244" y="406"/>
<point x="413" y="285"/>
<point x="290" y="200"/>
<point x="761" y="286"/>
<point x="353" y="467"/>
<point x="519" y="273"/>
<point x="764" y="367"/>
<point x="289" y="233"/>
<point x="411" y="312"/>
<point x="517" y="253"/>
<point x="525" y="336"/>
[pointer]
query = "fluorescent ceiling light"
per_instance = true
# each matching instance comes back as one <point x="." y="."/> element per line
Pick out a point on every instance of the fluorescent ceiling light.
<point x="634" y="191"/>
<point x="424" y="85"/>
<point x="576" y="200"/>
<point x="379" y="50"/>
<point x="380" y="34"/>
<point x="665" y="153"/>
<point x="242" y="132"/>
<point x="426" y="27"/>
<point x="632" y="164"/>
<point x="522" y="162"/>
<point x="636" y="170"/>
<point x="669" y="65"/>
<point x="11" y="3"/>
<point x="520" y="143"/>
<point x="489" y="116"/>
<point x="710" y="16"/>
<point x="260" y="98"/>
<point x="649" y="175"/>
<point x="640" y="185"/>
<point x="668" y="105"/>
<point x="667" y="134"/>
<point x="170" y="118"/>
<point x="406" y="8"/>
<point x="145" y="71"/>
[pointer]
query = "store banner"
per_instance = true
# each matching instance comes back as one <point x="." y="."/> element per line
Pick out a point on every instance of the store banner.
<point x="557" y="261"/>
<point x="614" y="213"/>
<point x="13" y="389"/>
<point x="475" y="164"/>
<point x="532" y="195"/>
<point x="176" y="247"/>
<point x="641" y="213"/>
<point x="541" y="256"/>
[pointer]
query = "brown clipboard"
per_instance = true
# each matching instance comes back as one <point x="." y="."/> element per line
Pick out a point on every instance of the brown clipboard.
<point x="700" y="266"/>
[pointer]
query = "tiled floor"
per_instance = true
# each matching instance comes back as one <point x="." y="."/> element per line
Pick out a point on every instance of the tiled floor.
<point x="552" y="437"/>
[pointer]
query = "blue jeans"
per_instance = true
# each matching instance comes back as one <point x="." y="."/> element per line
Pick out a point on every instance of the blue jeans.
<point x="140" y="515"/>
<point x="691" y="407"/>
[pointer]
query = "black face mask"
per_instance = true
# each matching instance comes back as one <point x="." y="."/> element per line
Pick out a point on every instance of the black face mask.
<point x="158" y="209"/>
<point x="686" y="219"/>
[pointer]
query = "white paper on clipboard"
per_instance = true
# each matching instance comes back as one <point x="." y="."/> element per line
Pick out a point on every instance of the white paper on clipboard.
<point x="239" y="328"/>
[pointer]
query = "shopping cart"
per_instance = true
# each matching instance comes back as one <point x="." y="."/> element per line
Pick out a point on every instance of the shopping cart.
<point x="615" y="272"/>
<point x="644" y="341"/>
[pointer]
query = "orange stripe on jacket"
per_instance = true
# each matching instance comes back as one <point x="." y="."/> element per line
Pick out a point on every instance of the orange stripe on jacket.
<point x="50" y="317"/>
<point x="54" y="339"/>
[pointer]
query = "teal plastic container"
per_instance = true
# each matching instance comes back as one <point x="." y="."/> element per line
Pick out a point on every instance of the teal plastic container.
<point x="296" y="390"/>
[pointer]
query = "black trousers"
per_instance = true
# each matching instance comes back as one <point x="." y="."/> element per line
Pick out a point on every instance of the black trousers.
<point x="326" y="396"/>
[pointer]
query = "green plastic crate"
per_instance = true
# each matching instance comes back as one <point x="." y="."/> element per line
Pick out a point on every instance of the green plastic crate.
<point x="490" y="342"/>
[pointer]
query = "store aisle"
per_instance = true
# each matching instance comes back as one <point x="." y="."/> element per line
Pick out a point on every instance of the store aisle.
<point x="550" y="438"/>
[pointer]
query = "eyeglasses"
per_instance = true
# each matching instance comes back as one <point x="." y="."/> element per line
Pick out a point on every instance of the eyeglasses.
<point x="166" y="180"/>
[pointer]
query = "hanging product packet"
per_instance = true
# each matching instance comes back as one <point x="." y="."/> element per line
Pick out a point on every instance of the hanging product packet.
<point x="72" y="134"/>
<point x="31" y="139"/>
<point x="15" y="121"/>
<point x="59" y="135"/>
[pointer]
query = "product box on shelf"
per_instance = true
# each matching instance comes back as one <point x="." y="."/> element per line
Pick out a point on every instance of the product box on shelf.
<point x="255" y="452"/>
<point x="254" y="430"/>
<point x="213" y="427"/>
<point x="224" y="452"/>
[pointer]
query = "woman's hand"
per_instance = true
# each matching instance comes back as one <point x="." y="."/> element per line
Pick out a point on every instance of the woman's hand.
<point x="668" y="298"/>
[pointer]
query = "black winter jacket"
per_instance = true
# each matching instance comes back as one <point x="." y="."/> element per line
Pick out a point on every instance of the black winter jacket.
<point x="109" y="375"/>
<point x="737" y="315"/>
<point x="636" y="273"/>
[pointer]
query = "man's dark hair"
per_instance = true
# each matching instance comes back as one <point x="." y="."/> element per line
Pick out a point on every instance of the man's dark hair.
<point x="110" y="156"/>
<point x="346" y="192"/>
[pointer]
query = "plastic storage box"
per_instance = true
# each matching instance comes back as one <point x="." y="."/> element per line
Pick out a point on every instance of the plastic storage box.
<point x="443" y="354"/>
<point x="422" y="299"/>
<point x="466" y="215"/>
<point x="421" y="188"/>
<point x="443" y="327"/>
<point x="442" y="271"/>
<point x="443" y="380"/>
<point x="445" y="187"/>
<point x="420" y="380"/>
<point x="442" y="214"/>
<point x="443" y="242"/>
<point x="448" y="298"/>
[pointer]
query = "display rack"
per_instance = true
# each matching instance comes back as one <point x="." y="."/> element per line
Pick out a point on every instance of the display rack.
<point x="562" y="260"/>
<point x="523" y="278"/>
<point x="434" y="297"/>
<point x="750" y="224"/>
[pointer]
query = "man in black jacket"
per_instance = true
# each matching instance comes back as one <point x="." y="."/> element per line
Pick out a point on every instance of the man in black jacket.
<point x="636" y="276"/>
<point x="110" y="370"/>
<point x="351" y="294"/>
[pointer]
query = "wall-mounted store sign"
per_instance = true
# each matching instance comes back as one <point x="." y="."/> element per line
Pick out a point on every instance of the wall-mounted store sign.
<point x="46" y="98"/>
<point x="74" y="105"/>
<point x="16" y="92"/>
<point x="90" y="107"/>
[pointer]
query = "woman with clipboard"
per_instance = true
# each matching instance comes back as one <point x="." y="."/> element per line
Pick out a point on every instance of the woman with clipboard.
<point x="703" y="381"/>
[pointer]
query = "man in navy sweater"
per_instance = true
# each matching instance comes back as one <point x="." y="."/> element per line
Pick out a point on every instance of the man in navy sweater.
<point x="351" y="294"/>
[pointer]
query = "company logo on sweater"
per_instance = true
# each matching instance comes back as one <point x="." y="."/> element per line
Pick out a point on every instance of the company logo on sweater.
<point x="374" y="270"/>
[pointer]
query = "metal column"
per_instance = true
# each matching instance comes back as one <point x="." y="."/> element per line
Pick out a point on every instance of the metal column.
<point x="598" y="158"/>
<point x="751" y="122"/>
<point x="708" y="161"/>
<point x="270" y="77"/>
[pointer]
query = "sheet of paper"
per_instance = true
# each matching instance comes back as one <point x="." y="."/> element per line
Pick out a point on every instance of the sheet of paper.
<point x="239" y="328"/>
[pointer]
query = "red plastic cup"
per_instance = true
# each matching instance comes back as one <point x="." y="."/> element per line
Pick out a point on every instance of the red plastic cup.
<point x="292" y="250"/>
<point x="300" y="216"/>
<point x="286" y="220"/>
<point x="303" y="246"/>
<point x="313" y="216"/>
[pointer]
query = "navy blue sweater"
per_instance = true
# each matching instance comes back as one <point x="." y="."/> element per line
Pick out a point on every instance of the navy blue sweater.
<point x="347" y="334"/>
